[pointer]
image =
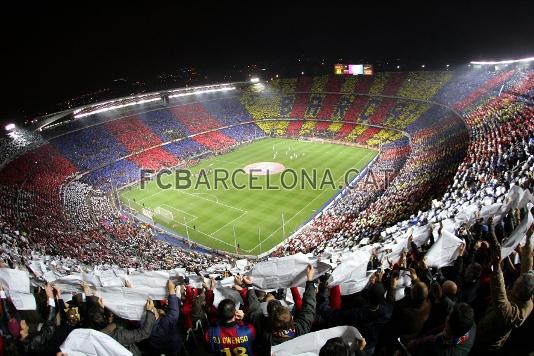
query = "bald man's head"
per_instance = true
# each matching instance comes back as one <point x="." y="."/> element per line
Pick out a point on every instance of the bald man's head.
<point x="449" y="289"/>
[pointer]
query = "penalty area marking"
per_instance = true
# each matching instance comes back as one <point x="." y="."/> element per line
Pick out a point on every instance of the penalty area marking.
<point x="193" y="217"/>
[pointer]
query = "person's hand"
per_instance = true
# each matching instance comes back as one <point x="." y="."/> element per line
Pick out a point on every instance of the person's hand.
<point x="422" y="264"/>
<point x="171" y="287"/>
<point x="393" y="282"/>
<point x="436" y="290"/>
<point x="49" y="290"/>
<point x="128" y="284"/>
<point x="310" y="272"/>
<point x="413" y="274"/>
<point x="57" y="292"/>
<point x="376" y="277"/>
<point x="361" y="344"/>
<point x="461" y="249"/>
<point x="213" y="283"/>
<point x="85" y="288"/>
<point x="239" y="314"/>
<point x="237" y="287"/>
<point x="247" y="280"/>
<point x="150" y="305"/>
<point x="238" y="279"/>
<point x="101" y="302"/>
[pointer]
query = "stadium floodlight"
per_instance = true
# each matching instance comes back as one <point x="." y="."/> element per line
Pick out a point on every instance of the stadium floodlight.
<point x="10" y="127"/>
<point x="203" y="91"/>
<point x="254" y="80"/>
<point x="398" y="67"/>
<point x="114" y="107"/>
<point x="508" y="61"/>
<point x="422" y="66"/>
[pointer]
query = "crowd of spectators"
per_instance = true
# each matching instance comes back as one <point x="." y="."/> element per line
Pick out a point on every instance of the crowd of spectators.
<point x="16" y="142"/>
<point x="481" y="303"/>
<point x="431" y="167"/>
<point x="84" y="206"/>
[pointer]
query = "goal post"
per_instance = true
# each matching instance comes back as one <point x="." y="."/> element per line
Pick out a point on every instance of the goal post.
<point x="164" y="213"/>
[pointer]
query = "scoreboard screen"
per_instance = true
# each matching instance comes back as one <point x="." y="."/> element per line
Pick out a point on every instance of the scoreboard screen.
<point x="353" y="69"/>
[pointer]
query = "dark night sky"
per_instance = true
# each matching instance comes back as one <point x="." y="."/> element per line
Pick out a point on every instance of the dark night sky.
<point x="51" y="54"/>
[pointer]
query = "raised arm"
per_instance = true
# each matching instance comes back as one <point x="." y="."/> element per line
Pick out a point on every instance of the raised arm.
<point x="174" y="306"/>
<point x="498" y="287"/>
<point x="129" y="337"/>
<point x="304" y="319"/>
<point x="526" y="252"/>
<point x="254" y="308"/>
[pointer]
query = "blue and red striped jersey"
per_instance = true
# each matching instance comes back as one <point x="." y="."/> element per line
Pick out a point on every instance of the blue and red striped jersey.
<point x="231" y="340"/>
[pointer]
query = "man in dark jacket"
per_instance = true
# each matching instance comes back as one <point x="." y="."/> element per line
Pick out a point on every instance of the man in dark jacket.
<point x="164" y="338"/>
<point x="129" y="338"/>
<point x="369" y="319"/>
<point x="282" y="325"/>
<point x="34" y="343"/>
<point x="411" y="313"/>
<point x="456" y="339"/>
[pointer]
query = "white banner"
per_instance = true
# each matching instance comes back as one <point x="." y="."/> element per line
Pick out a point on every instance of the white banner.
<point x="89" y="342"/>
<point x="285" y="272"/>
<point x="351" y="273"/>
<point x="518" y="236"/>
<point x="15" y="280"/>
<point x="311" y="343"/>
<point x="444" y="251"/>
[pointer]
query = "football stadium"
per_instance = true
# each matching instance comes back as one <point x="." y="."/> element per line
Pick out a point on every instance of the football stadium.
<point x="358" y="208"/>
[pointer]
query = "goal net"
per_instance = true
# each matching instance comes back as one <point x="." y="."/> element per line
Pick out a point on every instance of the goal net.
<point x="164" y="213"/>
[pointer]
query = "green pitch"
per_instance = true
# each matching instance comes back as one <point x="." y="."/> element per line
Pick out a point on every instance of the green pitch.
<point x="210" y="217"/>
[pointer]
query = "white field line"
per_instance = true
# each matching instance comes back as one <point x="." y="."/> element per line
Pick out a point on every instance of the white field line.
<point x="216" y="202"/>
<point x="208" y="194"/>
<point x="228" y="223"/>
<point x="211" y="235"/>
<point x="193" y="217"/>
<point x="202" y="233"/>
<point x="150" y="196"/>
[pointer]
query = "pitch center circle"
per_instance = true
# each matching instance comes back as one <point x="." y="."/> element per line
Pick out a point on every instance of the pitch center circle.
<point x="264" y="168"/>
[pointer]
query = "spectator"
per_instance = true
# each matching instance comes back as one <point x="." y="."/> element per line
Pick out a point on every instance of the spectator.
<point x="164" y="338"/>
<point x="506" y="312"/>
<point x="125" y="337"/>
<point x="230" y="336"/>
<point x="456" y="339"/>
<point x="282" y="325"/>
